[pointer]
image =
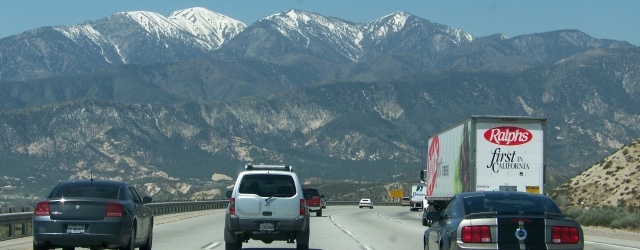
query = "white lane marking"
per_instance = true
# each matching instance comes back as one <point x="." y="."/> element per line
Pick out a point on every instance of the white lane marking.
<point x="367" y="248"/>
<point x="610" y="245"/>
<point x="212" y="245"/>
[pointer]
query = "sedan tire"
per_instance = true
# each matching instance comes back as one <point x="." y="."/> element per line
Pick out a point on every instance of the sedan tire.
<point x="149" y="243"/>
<point x="132" y="239"/>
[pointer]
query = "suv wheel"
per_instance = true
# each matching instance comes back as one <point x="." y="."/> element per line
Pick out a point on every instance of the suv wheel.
<point x="302" y="240"/>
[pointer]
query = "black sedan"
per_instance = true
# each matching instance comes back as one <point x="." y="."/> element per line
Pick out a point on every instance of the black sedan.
<point x="502" y="220"/>
<point x="93" y="214"/>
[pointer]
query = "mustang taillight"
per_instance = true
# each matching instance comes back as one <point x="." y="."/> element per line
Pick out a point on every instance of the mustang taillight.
<point x="303" y="209"/>
<point x="565" y="235"/>
<point x="42" y="209"/>
<point x="476" y="234"/>
<point x="114" y="210"/>
<point x="232" y="206"/>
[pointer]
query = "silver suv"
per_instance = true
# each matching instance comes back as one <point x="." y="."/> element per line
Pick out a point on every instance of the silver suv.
<point x="267" y="203"/>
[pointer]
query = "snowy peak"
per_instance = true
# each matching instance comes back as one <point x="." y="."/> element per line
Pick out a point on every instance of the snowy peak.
<point x="206" y="24"/>
<point x="153" y="23"/>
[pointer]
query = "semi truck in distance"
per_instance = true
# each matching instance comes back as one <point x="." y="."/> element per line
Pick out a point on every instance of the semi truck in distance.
<point x="484" y="153"/>
<point x="417" y="196"/>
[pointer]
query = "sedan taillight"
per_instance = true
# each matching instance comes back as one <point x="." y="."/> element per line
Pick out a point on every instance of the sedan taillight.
<point x="303" y="209"/>
<point x="476" y="234"/>
<point x="565" y="235"/>
<point x="114" y="210"/>
<point x="232" y="206"/>
<point x="42" y="209"/>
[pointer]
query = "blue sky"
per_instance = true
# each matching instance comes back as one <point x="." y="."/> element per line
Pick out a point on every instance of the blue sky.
<point x="608" y="19"/>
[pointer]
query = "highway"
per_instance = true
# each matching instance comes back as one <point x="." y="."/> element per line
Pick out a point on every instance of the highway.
<point x="341" y="227"/>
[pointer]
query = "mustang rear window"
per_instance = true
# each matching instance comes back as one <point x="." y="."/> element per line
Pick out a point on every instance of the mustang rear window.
<point x="268" y="185"/>
<point x="85" y="190"/>
<point x="509" y="204"/>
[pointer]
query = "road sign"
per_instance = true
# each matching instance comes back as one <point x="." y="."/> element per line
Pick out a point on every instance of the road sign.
<point x="396" y="193"/>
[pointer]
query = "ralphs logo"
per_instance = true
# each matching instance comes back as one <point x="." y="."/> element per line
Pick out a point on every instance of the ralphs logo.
<point x="432" y="170"/>
<point x="508" y="136"/>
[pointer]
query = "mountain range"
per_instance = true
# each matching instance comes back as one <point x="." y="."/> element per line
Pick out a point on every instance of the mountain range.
<point x="168" y="102"/>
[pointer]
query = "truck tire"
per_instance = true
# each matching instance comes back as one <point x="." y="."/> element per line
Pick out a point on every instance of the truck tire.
<point x="424" y="222"/>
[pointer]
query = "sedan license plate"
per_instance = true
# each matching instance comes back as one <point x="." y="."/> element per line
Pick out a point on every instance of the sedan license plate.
<point x="75" y="229"/>
<point x="266" y="227"/>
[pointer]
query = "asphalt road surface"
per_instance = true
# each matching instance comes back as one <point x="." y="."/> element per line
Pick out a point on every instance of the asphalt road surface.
<point x="342" y="227"/>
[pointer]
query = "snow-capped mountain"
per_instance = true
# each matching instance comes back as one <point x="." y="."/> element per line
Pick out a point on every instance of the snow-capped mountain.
<point x="137" y="37"/>
<point x="388" y="47"/>
<point x="334" y="39"/>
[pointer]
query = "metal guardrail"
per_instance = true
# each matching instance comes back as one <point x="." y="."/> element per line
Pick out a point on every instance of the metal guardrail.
<point x="11" y="221"/>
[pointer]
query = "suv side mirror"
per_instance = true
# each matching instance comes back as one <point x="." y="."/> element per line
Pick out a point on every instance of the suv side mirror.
<point x="229" y="193"/>
<point x="322" y="196"/>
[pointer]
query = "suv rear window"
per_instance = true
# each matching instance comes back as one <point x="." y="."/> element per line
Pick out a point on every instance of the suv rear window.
<point x="84" y="190"/>
<point x="268" y="185"/>
<point x="312" y="191"/>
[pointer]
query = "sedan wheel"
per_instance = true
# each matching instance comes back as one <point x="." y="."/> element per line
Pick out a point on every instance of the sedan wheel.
<point x="37" y="247"/>
<point x="147" y="245"/>
<point x="132" y="238"/>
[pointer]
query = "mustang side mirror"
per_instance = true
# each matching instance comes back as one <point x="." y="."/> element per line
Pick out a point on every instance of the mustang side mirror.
<point x="433" y="216"/>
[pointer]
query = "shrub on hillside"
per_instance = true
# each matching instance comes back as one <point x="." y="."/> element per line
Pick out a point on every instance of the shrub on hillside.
<point x="574" y="212"/>
<point x="631" y="221"/>
<point x="612" y="217"/>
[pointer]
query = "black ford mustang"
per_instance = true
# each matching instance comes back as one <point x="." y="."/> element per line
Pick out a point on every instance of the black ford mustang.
<point x="93" y="214"/>
<point x="502" y="220"/>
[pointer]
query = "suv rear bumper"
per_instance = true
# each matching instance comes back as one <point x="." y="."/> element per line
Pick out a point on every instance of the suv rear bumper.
<point x="315" y="209"/>
<point x="282" y="231"/>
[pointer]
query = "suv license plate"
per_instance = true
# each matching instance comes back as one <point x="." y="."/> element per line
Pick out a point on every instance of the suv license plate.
<point x="75" y="229"/>
<point x="266" y="227"/>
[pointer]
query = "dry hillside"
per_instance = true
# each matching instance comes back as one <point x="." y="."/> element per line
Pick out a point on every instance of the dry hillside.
<point x="614" y="181"/>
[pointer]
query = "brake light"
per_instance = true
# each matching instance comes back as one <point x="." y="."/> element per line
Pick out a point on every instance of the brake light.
<point x="42" y="209"/>
<point x="114" y="210"/>
<point x="232" y="206"/>
<point x="476" y="234"/>
<point x="565" y="235"/>
<point x="303" y="208"/>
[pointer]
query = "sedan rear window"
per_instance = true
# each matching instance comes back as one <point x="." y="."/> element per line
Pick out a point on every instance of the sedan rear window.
<point x="268" y="185"/>
<point x="509" y="204"/>
<point x="86" y="190"/>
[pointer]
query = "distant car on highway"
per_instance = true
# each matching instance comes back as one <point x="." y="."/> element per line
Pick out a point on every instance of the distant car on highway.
<point x="502" y="220"/>
<point x="406" y="201"/>
<point x="93" y="214"/>
<point x="365" y="203"/>
<point x="315" y="203"/>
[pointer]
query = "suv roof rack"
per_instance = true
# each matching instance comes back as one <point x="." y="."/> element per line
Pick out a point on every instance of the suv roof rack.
<point x="250" y="167"/>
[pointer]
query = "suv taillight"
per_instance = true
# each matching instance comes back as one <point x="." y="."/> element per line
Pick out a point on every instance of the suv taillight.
<point x="114" y="210"/>
<point x="303" y="209"/>
<point x="232" y="206"/>
<point x="564" y="235"/>
<point x="476" y="234"/>
<point x="42" y="209"/>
